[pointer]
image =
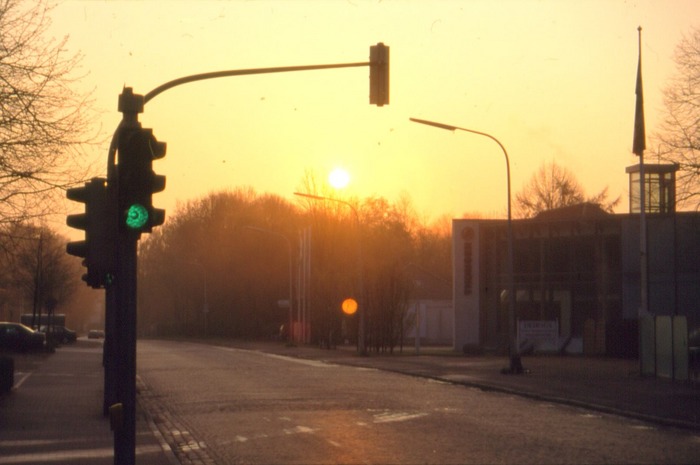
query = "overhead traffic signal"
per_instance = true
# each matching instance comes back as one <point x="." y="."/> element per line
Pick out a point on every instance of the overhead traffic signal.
<point x="379" y="74"/>
<point x="137" y="181"/>
<point x="99" y="247"/>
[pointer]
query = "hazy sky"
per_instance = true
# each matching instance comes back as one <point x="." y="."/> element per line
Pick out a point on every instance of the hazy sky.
<point x="553" y="80"/>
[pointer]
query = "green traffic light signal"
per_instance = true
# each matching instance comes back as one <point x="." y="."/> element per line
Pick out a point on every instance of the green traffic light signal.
<point x="136" y="217"/>
<point x="137" y="182"/>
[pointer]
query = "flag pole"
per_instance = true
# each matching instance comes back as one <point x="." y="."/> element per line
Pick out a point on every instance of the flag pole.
<point x="638" y="147"/>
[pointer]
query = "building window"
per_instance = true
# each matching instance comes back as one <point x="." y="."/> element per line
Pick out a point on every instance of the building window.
<point x="659" y="188"/>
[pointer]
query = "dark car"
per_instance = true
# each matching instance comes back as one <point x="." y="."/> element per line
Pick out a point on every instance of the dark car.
<point x="16" y="337"/>
<point x="59" y="334"/>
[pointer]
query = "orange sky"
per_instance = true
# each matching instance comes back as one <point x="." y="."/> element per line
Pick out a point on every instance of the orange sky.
<point x="553" y="80"/>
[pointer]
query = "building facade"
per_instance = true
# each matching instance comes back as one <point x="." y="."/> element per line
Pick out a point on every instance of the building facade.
<point x="577" y="274"/>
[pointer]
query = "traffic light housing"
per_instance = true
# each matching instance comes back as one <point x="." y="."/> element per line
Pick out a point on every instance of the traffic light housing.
<point x="137" y="181"/>
<point x="379" y="74"/>
<point x="98" y="250"/>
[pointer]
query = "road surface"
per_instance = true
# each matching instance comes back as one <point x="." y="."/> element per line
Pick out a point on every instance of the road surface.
<point x="235" y="406"/>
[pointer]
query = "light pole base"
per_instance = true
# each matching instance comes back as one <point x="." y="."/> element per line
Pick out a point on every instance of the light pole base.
<point x="516" y="366"/>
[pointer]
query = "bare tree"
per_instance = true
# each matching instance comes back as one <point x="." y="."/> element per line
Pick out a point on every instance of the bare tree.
<point x="679" y="135"/>
<point x="35" y="270"/>
<point x="43" y="122"/>
<point x="553" y="187"/>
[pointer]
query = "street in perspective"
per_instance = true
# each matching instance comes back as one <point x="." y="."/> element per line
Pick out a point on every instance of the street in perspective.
<point x="255" y="405"/>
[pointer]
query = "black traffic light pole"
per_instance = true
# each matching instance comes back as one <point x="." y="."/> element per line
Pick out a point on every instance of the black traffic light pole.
<point x="121" y="311"/>
<point x="124" y="346"/>
<point x="120" y="298"/>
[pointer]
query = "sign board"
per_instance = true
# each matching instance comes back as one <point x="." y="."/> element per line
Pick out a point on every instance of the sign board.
<point x="542" y="334"/>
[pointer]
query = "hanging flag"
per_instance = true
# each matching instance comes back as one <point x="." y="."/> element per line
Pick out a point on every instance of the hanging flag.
<point x="639" y="142"/>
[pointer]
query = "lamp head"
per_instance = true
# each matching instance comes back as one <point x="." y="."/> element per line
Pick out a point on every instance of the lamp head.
<point x="432" y="123"/>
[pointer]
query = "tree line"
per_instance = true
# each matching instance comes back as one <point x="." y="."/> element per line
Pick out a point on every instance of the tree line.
<point x="220" y="266"/>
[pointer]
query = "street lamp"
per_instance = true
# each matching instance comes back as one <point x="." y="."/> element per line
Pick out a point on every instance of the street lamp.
<point x="361" y="346"/>
<point x="516" y="365"/>
<point x="289" y="255"/>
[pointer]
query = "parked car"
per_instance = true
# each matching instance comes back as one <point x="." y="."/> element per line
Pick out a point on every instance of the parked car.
<point x="19" y="338"/>
<point x="96" y="334"/>
<point x="59" y="334"/>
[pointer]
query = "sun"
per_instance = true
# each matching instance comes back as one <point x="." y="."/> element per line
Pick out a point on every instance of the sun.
<point x="339" y="178"/>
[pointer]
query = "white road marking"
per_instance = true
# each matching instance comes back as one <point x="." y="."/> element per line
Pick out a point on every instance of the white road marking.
<point x="299" y="430"/>
<point x="23" y="377"/>
<point x="301" y="361"/>
<point x="397" y="416"/>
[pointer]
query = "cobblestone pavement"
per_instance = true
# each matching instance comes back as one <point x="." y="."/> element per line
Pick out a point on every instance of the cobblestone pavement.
<point x="173" y="430"/>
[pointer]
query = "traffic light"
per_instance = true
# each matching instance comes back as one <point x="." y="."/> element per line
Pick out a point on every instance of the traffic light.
<point x="99" y="247"/>
<point x="379" y="74"/>
<point x="137" y="181"/>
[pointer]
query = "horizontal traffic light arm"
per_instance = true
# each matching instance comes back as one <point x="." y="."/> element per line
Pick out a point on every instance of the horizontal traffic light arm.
<point x="131" y="104"/>
<point x="242" y="72"/>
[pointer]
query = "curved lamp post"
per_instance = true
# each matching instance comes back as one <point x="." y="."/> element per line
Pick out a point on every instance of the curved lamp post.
<point x="361" y="346"/>
<point x="515" y="361"/>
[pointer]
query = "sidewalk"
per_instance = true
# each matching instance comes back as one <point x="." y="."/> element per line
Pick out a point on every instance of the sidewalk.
<point x="603" y="384"/>
<point x="54" y="413"/>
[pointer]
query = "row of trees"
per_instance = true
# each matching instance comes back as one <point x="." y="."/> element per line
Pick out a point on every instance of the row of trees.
<point x="220" y="245"/>
<point x="37" y="277"/>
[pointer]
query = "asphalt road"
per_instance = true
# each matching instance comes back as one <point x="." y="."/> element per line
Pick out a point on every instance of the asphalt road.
<point x="227" y="406"/>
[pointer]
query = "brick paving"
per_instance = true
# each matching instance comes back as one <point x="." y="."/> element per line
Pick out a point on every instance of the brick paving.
<point x="173" y="429"/>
